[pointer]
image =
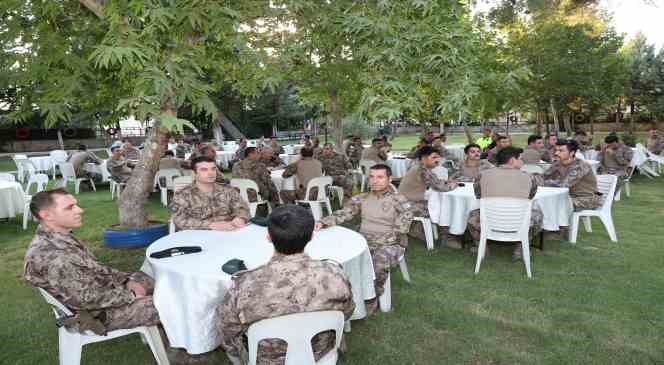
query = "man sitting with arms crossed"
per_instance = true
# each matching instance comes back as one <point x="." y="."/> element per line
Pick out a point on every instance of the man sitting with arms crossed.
<point x="291" y="282"/>
<point x="472" y="166"/>
<point x="385" y="220"/>
<point x="103" y="299"/>
<point x="506" y="181"/>
<point x="207" y="205"/>
<point x="615" y="157"/>
<point x="535" y="151"/>
<point x="336" y="166"/>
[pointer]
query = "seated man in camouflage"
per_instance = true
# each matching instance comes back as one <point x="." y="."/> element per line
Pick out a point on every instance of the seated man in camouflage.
<point x="118" y="166"/>
<point x="534" y="151"/>
<point x="129" y="151"/>
<point x="385" y="221"/>
<point x="376" y="152"/>
<point x="615" y="157"/>
<point x="501" y="142"/>
<point x="79" y="158"/>
<point x="103" y="299"/>
<point x="169" y="162"/>
<point x="506" y="181"/>
<point x="253" y="169"/>
<point x="569" y="172"/>
<point x="470" y="169"/>
<point x="655" y="142"/>
<point x="208" y="151"/>
<point x="337" y="166"/>
<point x="305" y="169"/>
<point x="354" y="151"/>
<point x="205" y="204"/>
<point x="291" y="282"/>
<point x="270" y="159"/>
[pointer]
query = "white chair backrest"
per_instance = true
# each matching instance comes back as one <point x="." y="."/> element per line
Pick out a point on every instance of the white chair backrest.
<point x="7" y="177"/>
<point x="182" y="181"/>
<point x="321" y="183"/>
<point x="41" y="180"/>
<point x="505" y="219"/>
<point x="67" y="170"/>
<point x="297" y="330"/>
<point x="532" y="169"/>
<point x="57" y="306"/>
<point x="169" y="175"/>
<point x="20" y="157"/>
<point x="58" y="156"/>
<point x="440" y="172"/>
<point x="365" y="165"/>
<point x="244" y="185"/>
<point x="579" y="155"/>
<point x="606" y="184"/>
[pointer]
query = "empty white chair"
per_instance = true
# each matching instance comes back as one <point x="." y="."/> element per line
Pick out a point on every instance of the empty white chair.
<point x="606" y="184"/>
<point x="532" y="169"/>
<point x="167" y="183"/>
<point x="321" y="183"/>
<point x="244" y="185"/>
<point x="24" y="167"/>
<point x="385" y="300"/>
<point x="40" y="180"/>
<point x="506" y="220"/>
<point x="7" y="177"/>
<point x="57" y="156"/>
<point x="644" y="167"/>
<point x="68" y="175"/>
<point x="430" y="231"/>
<point x="297" y="330"/>
<point x="365" y="166"/>
<point x="72" y="342"/>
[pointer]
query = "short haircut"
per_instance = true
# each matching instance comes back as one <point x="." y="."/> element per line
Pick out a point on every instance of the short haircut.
<point x="426" y="151"/>
<point x="381" y="166"/>
<point x="249" y="150"/>
<point x="551" y="134"/>
<point x="500" y="137"/>
<point x="169" y="153"/>
<point x="113" y="148"/>
<point x="290" y="228"/>
<point x="328" y="144"/>
<point x="200" y="159"/>
<point x="82" y="147"/>
<point x="572" y="145"/>
<point x="307" y="152"/>
<point x="580" y="133"/>
<point x="503" y="156"/>
<point x="44" y="200"/>
<point x="469" y="146"/>
<point x="611" y="138"/>
<point x="533" y="137"/>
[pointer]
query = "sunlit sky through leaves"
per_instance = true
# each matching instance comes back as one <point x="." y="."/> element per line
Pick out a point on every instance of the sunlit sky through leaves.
<point x="632" y="16"/>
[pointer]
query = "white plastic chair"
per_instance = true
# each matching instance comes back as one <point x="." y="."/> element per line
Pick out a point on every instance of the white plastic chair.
<point x="644" y="167"/>
<point x="244" y="185"/>
<point x="625" y="184"/>
<point x="7" y="177"/>
<point x="507" y="220"/>
<point x="579" y="155"/>
<point x="385" y="300"/>
<point x="68" y="175"/>
<point x="365" y="166"/>
<point x="72" y="342"/>
<point x="606" y="184"/>
<point x="297" y="330"/>
<point x="440" y="172"/>
<point x="57" y="156"/>
<point x="430" y="231"/>
<point x="116" y="187"/>
<point x="41" y="180"/>
<point x="168" y="175"/>
<point x="23" y="167"/>
<point x="321" y="198"/>
<point x="532" y="169"/>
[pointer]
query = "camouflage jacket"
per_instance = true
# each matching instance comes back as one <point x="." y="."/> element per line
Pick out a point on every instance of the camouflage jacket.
<point x="354" y="151"/>
<point x="132" y="153"/>
<point x="194" y="209"/>
<point x="118" y="166"/>
<point x="578" y="177"/>
<point x="335" y="165"/>
<point x="287" y="284"/>
<point x="655" y="145"/>
<point x="385" y="216"/>
<point x="256" y="171"/>
<point x="273" y="161"/>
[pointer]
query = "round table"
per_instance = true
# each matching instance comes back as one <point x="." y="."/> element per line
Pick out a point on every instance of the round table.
<point x="289" y="158"/>
<point x="282" y="183"/>
<point x="190" y="288"/>
<point x="12" y="200"/>
<point x="42" y="163"/>
<point x="451" y="209"/>
<point x="399" y="166"/>
<point x="224" y="158"/>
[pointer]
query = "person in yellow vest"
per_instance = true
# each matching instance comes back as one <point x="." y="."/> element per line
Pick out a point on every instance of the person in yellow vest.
<point x="485" y="140"/>
<point x="305" y="169"/>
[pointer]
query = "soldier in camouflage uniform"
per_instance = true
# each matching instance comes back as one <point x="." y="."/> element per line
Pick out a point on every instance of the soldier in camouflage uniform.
<point x="576" y="175"/>
<point x="79" y="158"/>
<point x="209" y="152"/>
<point x="354" y="151"/>
<point x="129" y="151"/>
<point x="270" y="159"/>
<point x="251" y="168"/>
<point x="337" y="165"/>
<point x="385" y="220"/>
<point x="506" y="181"/>
<point x="103" y="299"/>
<point x="470" y="169"/>
<point x="291" y="282"/>
<point x="655" y="142"/>
<point x="550" y="147"/>
<point x="315" y="145"/>
<point x="208" y="205"/>
<point x="277" y="149"/>
<point x="118" y="166"/>
<point x="615" y="157"/>
<point x="305" y="169"/>
<point x="501" y="142"/>
<point x="376" y="152"/>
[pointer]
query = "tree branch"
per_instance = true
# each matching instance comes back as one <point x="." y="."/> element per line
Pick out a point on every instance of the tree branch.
<point x="94" y="6"/>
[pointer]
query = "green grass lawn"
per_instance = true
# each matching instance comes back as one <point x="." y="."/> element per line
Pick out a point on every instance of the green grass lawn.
<point x="593" y="303"/>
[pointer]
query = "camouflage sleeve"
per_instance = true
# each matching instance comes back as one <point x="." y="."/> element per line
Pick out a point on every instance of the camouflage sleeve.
<point x="347" y="164"/>
<point x="546" y="156"/>
<point x="235" y="171"/>
<point x="352" y="207"/>
<point x="574" y="175"/>
<point x="533" y="187"/>
<point x="477" y="188"/>
<point x="290" y="170"/>
<point x="93" y="158"/>
<point x="624" y="156"/>
<point x="239" y="207"/>
<point x="87" y="285"/>
<point x="231" y="327"/>
<point x="405" y="213"/>
<point x="432" y="181"/>
<point x="340" y="293"/>
<point x="382" y="154"/>
<point x="183" y="215"/>
<point x="550" y="177"/>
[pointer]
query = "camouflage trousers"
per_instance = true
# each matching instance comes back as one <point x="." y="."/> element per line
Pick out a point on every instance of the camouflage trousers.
<point x="141" y="312"/>
<point x="346" y="182"/>
<point x="384" y="257"/>
<point x="536" y="220"/>
<point x="289" y="196"/>
<point x="420" y="209"/>
<point x="587" y="202"/>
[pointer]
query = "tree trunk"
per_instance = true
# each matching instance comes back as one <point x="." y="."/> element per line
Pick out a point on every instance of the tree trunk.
<point x="568" y="124"/>
<point x="132" y="206"/>
<point x="554" y="113"/>
<point x="60" y="141"/>
<point x="631" y="116"/>
<point x="337" y="122"/>
<point x="538" y="118"/>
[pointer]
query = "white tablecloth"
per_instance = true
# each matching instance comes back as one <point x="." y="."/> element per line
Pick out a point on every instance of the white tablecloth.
<point x="455" y="152"/>
<point x="638" y="158"/>
<point x="224" y="158"/>
<point x="289" y="159"/>
<point x="99" y="169"/>
<point x="189" y="288"/>
<point x="282" y="183"/>
<point x="399" y="166"/>
<point x="12" y="199"/>
<point x="594" y="164"/>
<point x="291" y="149"/>
<point x="42" y="163"/>
<point x="452" y="209"/>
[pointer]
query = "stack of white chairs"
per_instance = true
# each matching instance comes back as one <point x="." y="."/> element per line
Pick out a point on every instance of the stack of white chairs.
<point x="69" y="176"/>
<point x="505" y="220"/>
<point x="645" y="167"/>
<point x="71" y="342"/>
<point x="606" y="184"/>
<point x="244" y="185"/>
<point x="321" y="183"/>
<point x="24" y="167"/>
